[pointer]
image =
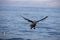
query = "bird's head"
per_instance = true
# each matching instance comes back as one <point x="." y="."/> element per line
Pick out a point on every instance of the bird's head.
<point x="34" y="21"/>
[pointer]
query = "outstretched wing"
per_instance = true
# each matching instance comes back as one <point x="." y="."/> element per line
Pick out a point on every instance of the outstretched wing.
<point x="27" y="19"/>
<point x="42" y="19"/>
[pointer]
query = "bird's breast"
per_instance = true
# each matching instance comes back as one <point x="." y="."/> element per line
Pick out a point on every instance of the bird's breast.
<point x="33" y="24"/>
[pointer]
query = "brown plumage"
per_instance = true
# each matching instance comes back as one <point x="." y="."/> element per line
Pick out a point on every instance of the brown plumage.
<point x="33" y="23"/>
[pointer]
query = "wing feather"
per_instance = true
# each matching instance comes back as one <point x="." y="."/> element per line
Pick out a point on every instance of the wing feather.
<point x="42" y="19"/>
<point x="27" y="19"/>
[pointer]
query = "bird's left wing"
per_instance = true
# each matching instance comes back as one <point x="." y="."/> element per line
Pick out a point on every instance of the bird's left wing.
<point x="27" y="19"/>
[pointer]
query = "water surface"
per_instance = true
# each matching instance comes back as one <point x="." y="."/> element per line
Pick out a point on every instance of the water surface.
<point x="16" y="28"/>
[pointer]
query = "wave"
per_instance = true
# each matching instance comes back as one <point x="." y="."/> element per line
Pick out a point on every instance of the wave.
<point x="16" y="39"/>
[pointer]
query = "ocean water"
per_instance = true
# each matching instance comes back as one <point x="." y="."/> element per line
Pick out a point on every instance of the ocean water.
<point x="14" y="27"/>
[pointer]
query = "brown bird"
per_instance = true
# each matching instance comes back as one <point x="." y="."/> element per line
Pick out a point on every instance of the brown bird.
<point x="33" y="23"/>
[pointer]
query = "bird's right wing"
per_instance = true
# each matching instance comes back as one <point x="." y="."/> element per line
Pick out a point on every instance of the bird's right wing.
<point x="27" y="19"/>
<point x="42" y="19"/>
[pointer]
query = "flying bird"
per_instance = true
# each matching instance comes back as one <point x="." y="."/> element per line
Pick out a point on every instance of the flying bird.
<point x="33" y="23"/>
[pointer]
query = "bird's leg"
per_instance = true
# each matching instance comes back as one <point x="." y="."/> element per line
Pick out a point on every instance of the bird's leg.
<point x="34" y="27"/>
<point x="30" y="27"/>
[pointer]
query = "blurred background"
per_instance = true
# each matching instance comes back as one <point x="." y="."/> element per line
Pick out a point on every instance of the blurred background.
<point x="14" y="27"/>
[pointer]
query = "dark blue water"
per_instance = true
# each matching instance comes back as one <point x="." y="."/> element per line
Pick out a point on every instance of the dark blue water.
<point x="14" y="27"/>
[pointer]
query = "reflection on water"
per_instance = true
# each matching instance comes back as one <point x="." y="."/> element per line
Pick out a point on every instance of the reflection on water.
<point x="16" y="28"/>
